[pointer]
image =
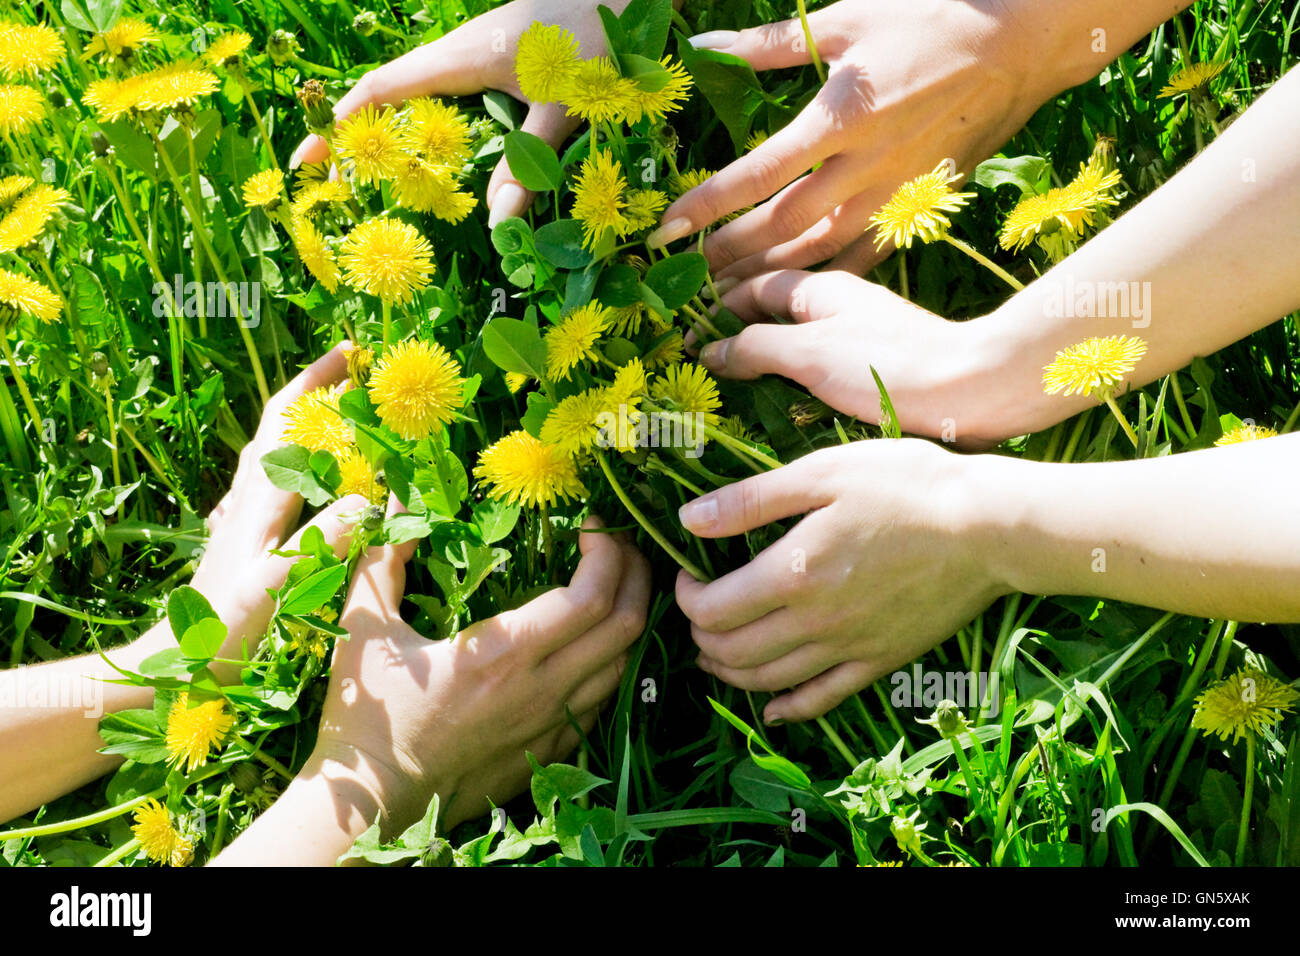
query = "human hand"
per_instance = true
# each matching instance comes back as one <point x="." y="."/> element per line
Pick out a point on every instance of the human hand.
<point x="409" y="717"/>
<point x="946" y="379"/>
<point x="884" y="566"/>
<point x="911" y="83"/>
<point x="478" y="56"/>
<point x="255" y="518"/>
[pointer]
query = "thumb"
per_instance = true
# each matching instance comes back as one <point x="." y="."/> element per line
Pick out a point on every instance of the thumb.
<point x="380" y="580"/>
<point x="791" y="490"/>
<point x="773" y="46"/>
<point x="506" y="196"/>
<point x="785" y="350"/>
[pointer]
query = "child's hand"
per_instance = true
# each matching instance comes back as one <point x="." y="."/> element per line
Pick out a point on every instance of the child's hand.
<point x="478" y="56"/>
<point x="946" y="379"/>
<point x="887" y="563"/>
<point x="407" y="717"/>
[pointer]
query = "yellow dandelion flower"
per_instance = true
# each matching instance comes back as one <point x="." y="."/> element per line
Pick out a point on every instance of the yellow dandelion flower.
<point x="572" y="341"/>
<point x="1245" y="433"/>
<point x="735" y="427"/>
<point x="21" y="107"/>
<point x="689" y="389"/>
<point x="370" y="142"/>
<point x="437" y="131"/>
<point x="756" y="139"/>
<point x="667" y="351"/>
<point x="431" y="188"/>
<point x="20" y="295"/>
<point x="1248" y="702"/>
<point x="515" y="381"/>
<point x="158" y="835"/>
<point x="113" y="99"/>
<point x="121" y="40"/>
<point x="264" y="188"/>
<point x="29" y="216"/>
<point x="306" y="640"/>
<point x="598" y="197"/>
<point x="227" y="48"/>
<point x="682" y="183"/>
<point x="11" y="187"/>
<point x="1095" y="366"/>
<point x="315" y="253"/>
<point x="522" y="470"/>
<point x="668" y="99"/>
<point x="546" y="62"/>
<point x="315" y="197"/>
<point x="642" y="210"/>
<point x="172" y="86"/>
<point x="917" y="208"/>
<point x="386" y="258"/>
<point x="1192" y="78"/>
<point x="628" y="388"/>
<point x="1068" y="209"/>
<point x="453" y="205"/>
<point x="598" y="93"/>
<point x="26" y="51"/>
<point x="312" y="421"/>
<point x="358" y="478"/>
<point x="626" y="320"/>
<point x="416" y="388"/>
<point x="571" y="425"/>
<point x="192" y="732"/>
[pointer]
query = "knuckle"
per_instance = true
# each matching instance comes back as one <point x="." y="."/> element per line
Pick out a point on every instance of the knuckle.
<point x="627" y="625"/>
<point x="767" y="171"/>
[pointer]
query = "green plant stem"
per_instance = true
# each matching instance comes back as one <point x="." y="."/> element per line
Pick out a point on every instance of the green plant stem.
<point x="903" y="286"/>
<point x="126" y="849"/>
<point x="985" y="261"/>
<point x="811" y="42"/>
<point x="112" y="436"/>
<point x="1109" y="399"/>
<point x="1244" y="826"/>
<point x="837" y="742"/>
<point x="223" y="808"/>
<point x="649" y="528"/>
<point x="265" y="758"/>
<point x="388" y="324"/>
<point x="1077" y="433"/>
<point x="77" y="823"/>
<point x="32" y="413"/>
<point x="1182" y="405"/>
<point x="257" y="118"/>
<point x="196" y="186"/>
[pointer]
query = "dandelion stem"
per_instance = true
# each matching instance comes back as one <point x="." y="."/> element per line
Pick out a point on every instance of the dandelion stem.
<point x="32" y="413"/>
<point x="650" y="529"/>
<point x="811" y="42"/>
<point x="265" y="758"/>
<point x="837" y="742"/>
<point x="1109" y="399"/>
<point x="1244" y="826"/>
<point x="126" y="849"/>
<point x="1182" y="405"/>
<point x="985" y="261"/>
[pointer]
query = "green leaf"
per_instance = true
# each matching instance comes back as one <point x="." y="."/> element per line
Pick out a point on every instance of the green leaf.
<point x="185" y="608"/>
<point x="560" y="243"/>
<point x="619" y="286"/>
<point x="311" y="593"/>
<point x="889" y="419"/>
<point x="289" y="469"/>
<point x="1165" y="821"/>
<point x="532" y="162"/>
<point x="514" y="345"/>
<point x="169" y="663"/>
<point x="678" y="279"/>
<point x="201" y="641"/>
<point x="512" y="236"/>
<point x="729" y="84"/>
<point x="495" y="519"/>
<point x="1026" y="173"/>
<point x="646" y="24"/>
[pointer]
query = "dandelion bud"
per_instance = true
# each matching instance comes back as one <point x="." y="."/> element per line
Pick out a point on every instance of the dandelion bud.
<point x="908" y="834"/>
<point x="99" y="142"/>
<point x="57" y="99"/>
<point x="810" y="412"/>
<point x="948" y="720"/>
<point x="316" y="106"/>
<point x="364" y="23"/>
<point x="372" y="518"/>
<point x="359" y="363"/>
<point x="438" y="853"/>
<point x="282" y="47"/>
<point x="246" y="777"/>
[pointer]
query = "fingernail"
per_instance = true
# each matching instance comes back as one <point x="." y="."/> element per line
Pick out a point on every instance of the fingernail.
<point x="700" y="514"/>
<point x="774" y="721"/>
<point x="670" y="231"/>
<point x="296" y="159"/>
<point x="714" y="40"/>
<point x="506" y="203"/>
<point x="725" y="285"/>
<point x="714" y="355"/>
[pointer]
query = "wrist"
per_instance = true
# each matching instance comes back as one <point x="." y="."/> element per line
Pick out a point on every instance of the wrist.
<point x="398" y="795"/>
<point x="999" y="502"/>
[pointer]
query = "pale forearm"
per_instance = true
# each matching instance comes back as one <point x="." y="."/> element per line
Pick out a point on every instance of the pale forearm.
<point x="314" y="822"/>
<point x="1200" y="533"/>
<point x="49" y="722"/>
<point x="1204" y="261"/>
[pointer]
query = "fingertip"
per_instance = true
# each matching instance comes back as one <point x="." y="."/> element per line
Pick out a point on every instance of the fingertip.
<point x="509" y="200"/>
<point x="714" y="356"/>
<point x="700" y="516"/>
